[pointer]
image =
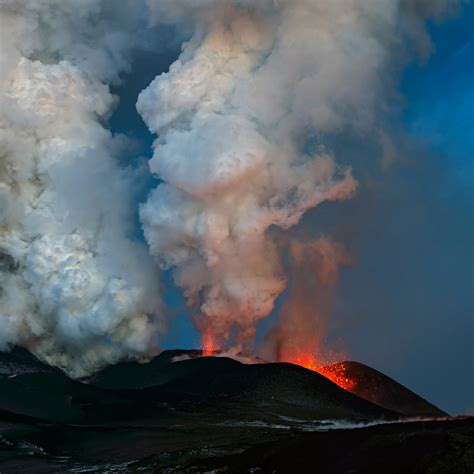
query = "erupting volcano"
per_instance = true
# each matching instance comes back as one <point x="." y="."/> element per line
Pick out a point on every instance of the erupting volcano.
<point x="336" y="373"/>
<point x="181" y="410"/>
<point x="208" y="344"/>
<point x="250" y="166"/>
<point x="354" y="377"/>
<point x="336" y="376"/>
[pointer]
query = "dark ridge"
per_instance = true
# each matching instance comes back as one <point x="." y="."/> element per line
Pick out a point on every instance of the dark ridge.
<point x="382" y="390"/>
<point x="159" y="370"/>
<point x="186" y="413"/>
<point x="136" y="375"/>
<point x="54" y="397"/>
<point x="201" y="382"/>
<point x="20" y="361"/>
<point x="185" y="382"/>
<point x="370" y="384"/>
<point x="282" y="388"/>
<point x="209" y="386"/>
<point x="7" y="418"/>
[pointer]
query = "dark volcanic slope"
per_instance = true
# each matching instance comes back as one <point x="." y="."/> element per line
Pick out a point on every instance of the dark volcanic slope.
<point x="56" y="398"/>
<point x="376" y="387"/>
<point x="201" y="414"/>
<point x="206" y="385"/>
<point x="216" y="388"/>
<point x="220" y="382"/>
<point x="135" y="375"/>
<point x="21" y="361"/>
<point x="31" y="388"/>
<point x="279" y="388"/>
<point x="201" y="377"/>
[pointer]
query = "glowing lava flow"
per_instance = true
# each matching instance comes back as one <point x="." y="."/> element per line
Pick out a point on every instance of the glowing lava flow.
<point x="336" y="376"/>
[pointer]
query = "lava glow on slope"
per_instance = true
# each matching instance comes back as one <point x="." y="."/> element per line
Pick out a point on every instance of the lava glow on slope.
<point x="337" y="376"/>
<point x="334" y="375"/>
<point x="207" y="343"/>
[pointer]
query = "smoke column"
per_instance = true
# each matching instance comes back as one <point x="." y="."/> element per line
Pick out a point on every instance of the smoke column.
<point x="75" y="287"/>
<point x="242" y="119"/>
<point x="299" y="334"/>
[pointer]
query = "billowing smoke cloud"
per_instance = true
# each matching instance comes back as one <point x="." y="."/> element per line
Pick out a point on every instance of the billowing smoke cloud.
<point x="75" y="286"/>
<point x="242" y="119"/>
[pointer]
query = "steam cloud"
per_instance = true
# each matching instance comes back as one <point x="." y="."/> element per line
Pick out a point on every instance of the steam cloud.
<point x="241" y="119"/>
<point x="237" y="115"/>
<point x="74" y="287"/>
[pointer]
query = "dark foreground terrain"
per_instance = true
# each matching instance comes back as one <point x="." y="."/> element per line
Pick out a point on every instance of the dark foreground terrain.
<point x="183" y="413"/>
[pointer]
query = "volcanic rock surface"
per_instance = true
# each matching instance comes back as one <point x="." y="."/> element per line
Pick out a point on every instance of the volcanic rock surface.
<point x="372" y="385"/>
<point x="186" y="413"/>
<point x="20" y="361"/>
<point x="196" y="384"/>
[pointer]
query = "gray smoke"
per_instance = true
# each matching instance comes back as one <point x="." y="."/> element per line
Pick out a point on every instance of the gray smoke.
<point x="242" y="119"/>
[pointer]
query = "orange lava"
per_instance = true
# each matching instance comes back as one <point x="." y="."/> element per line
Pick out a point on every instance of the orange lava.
<point x="336" y="376"/>
<point x="308" y="361"/>
<point x="207" y="343"/>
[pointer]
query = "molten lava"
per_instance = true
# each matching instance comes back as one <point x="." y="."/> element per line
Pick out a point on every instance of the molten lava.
<point x="308" y="361"/>
<point x="336" y="376"/>
<point x="207" y="343"/>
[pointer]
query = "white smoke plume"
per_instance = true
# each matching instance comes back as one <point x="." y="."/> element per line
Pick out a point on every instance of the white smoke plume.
<point x="75" y="286"/>
<point x="241" y="119"/>
<point x="258" y="83"/>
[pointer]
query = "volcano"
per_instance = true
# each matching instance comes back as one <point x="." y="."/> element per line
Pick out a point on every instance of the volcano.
<point x="184" y="412"/>
<point x="372" y="385"/>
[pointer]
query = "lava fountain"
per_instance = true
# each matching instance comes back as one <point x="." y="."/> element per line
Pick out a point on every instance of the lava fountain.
<point x="308" y="361"/>
<point x="336" y="376"/>
<point x="208" y="343"/>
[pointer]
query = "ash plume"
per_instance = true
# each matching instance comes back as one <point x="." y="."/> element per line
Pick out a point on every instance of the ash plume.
<point x="75" y="288"/>
<point x="243" y="119"/>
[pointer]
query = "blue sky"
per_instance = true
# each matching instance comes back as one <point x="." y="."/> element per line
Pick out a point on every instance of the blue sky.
<point x="406" y="307"/>
<point x="414" y="311"/>
<point x="440" y="94"/>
